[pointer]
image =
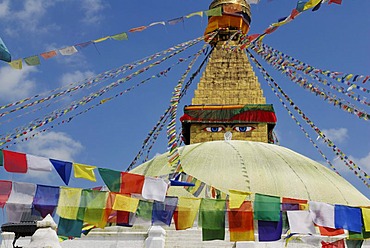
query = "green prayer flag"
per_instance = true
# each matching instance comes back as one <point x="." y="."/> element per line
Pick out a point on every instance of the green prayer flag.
<point x="214" y="12"/>
<point x="144" y="210"/>
<point x="96" y="202"/>
<point x="354" y="243"/>
<point x="33" y="60"/>
<point x="266" y="207"/>
<point x="69" y="228"/>
<point x="1" y="158"/>
<point x="359" y="236"/>
<point x="111" y="178"/>
<point x="212" y="219"/>
<point x="121" y="36"/>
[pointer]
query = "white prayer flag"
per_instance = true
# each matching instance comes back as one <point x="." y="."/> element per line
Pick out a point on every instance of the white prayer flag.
<point x="300" y="222"/>
<point x="322" y="214"/>
<point x="154" y="189"/>
<point x="38" y="163"/>
<point x="20" y="200"/>
<point x="68" y="50"/>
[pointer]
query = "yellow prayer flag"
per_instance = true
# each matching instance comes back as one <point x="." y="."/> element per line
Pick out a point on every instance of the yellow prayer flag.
<point x="101" y="39"/>
<point x="84" y="171"/>
<point x="16" y="64"/>
<point x="242" y="236"/>
<point x="187" y="209"/>
<point x="69" y="202"/>
<point x="199" y="13"/>
<point x="366" y="218"/>
<point x="310" y="4"/>
<point x="236" y="198"/>
<point x="125" y="203"/>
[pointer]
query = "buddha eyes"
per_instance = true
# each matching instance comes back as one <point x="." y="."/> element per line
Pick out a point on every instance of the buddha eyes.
<point x="214" y="129"/>
<point x="243" y="129"/>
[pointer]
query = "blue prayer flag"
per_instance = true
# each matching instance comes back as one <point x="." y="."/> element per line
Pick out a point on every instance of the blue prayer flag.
<point x="46" y="200"/>
<point x="63" y="168"/>
<point x="270" y="230"/>
<point x="70" y="228"/>
<point x="163" y="211"/>
<point x="349" y="218"/>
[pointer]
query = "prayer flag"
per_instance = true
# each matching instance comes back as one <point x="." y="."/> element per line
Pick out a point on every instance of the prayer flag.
<point x="48" y="55"/>
<point x="163" y="211"/>
<point x="144" y="210"/>
<point x="241" y="224"/>
<point x="111" y="178"/>
<point x="63" y="168"/>
<point x="38" y="163"/>
<point x="199" y="13"/>
<point x="175" y="21"/>
<point x="93" y="204"/>
<point x="212" y="219"/>
<point x="125" y="218"/>
<point x="356" y="235"/>
<point x="68" y="51"/>
<point x="335" y="1"/>
<point x="322" y="214"/>
<point x="354" y="243"/>
<point x="236" y="198"/>
<point x="310" y="4"/>
<point x="101" y="39"/>
<point x="317" y="7"/>
<point x="15" y="162"/>
<point x="4" y="52"/>
<point x="366" y="218"/>
<point x="138" y="29"/>
<point x="32" y="61"/>
<point x="300" y="6"/>
<point x="131" y="183"/>
<point x="327" y="231"/>
<point x="84" y="44"/>
<point x="292" y="204"/>
<point x="157" y="23"/>
<point x="20" y="200"/>
<point x="154" y="189"/>
<point x="266" y="207"/>
<point x="270" y="230"/>
<point x="84" y="171"/>
<point x="69" y="228"/>
<point x="5" y="189"/>
<point x="336" y="244"/>
<point x="46" y="200"/>
<point x="300" y="222"/>
<point x="186" y="212"/>
<point x="16" y="64"/>
<point x="214" y="12"/>
<point x="125" y="203"/>
<point x="121" y="36"/>
<point x="69" y="202"/>
<point x="348" y="218"/>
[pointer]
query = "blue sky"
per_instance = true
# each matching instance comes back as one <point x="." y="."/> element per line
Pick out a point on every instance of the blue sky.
<point x="336" y="38"/>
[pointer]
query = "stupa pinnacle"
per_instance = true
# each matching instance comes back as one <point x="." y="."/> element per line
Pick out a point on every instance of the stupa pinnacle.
<point x="229" y="97"/>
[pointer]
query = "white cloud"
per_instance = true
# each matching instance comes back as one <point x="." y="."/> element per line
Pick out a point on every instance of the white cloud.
<point x="92" y="9"/>
<point x="16" y="84"/>
<point x="339" y="135"/>
<point x="74" y="77"/>
<point x="4" y="8"/>
<point x="57" y="145"/>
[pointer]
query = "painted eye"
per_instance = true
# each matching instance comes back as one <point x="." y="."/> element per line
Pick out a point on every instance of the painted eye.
<point x="214" y="129"/>
<point x="243" y="129"/>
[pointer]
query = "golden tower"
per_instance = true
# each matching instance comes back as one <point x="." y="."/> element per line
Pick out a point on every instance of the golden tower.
<point x="229" y="101"/>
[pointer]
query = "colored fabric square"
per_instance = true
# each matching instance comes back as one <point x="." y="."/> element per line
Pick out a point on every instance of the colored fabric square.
<point x="186" y="212"/>
<point x="69" y="202"/>
<point x="354" y="243"/>
<point x="125" y="203"/>
<point x="46" y="200"/>
<point x="84" y="171"/>
<point x="349" y="218"/>
<point x="93" y="203"/>
<point x="63" y="168"/>
<point x="292" y="204"/>
<point x="68" y="51"/>
<point x="70" y="228"/>
<point x="358" y="236"/>
<point x="121" y="36"/>
<point x="38" y="163"/>
<point x="336" y="244"/>
<point x="20" y="201"/>
<point x="327" y="231"/>
<point x="366" y="218"/>
<point x="154" y="189"/>
<point x="212" y="219"/>
<point x="131" y="183"/>
<point x="5" y="190"/>
<point x="163" y="211"/>
<point x="15" y="162"/>
<point x="266" y="207"/>
<point x="145" y="210"/>
<point x="48" y="55"/>
<point x="32" y="61"/>
<point x="241" y="225"/>
<point x="270" y="230"/>
<point x="301" y="222"/>
<point x="236" y="198"/>
<point x="125" y="218"/>
<point x="322" y="214"/>
<point x="111" y="178"/>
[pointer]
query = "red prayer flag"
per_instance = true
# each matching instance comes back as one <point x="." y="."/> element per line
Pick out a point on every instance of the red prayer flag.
<point x="241" y="223"/>
<point x="327" y="231"/>
<point x="336" y="244"/>
<point x="138" y="29"/>
<point x="294" y="13"/>
<point x="15" y="162"/>
<point x="5" y="189"/>
<point x="131" y="183"/>
<point x="48" y="55"/>
<point x="335" y="1"/>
